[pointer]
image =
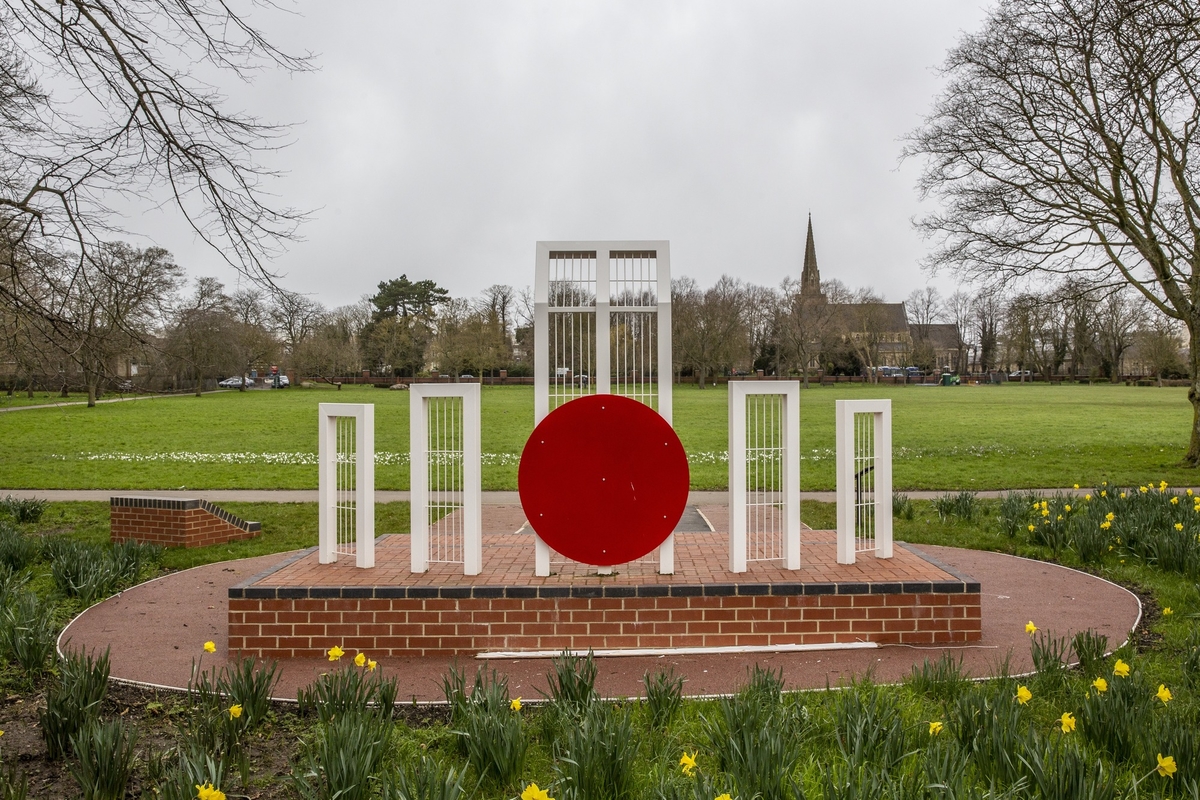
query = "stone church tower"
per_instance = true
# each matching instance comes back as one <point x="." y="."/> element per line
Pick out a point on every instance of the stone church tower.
<point x="810" y="278"/>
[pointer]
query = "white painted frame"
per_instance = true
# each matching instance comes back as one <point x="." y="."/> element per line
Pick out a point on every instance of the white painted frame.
<point x="846" y="533"/>
<point x="364" y="481"/>
<point x="739" y="391"/>
<point x="603" y="381"/>
<point x="472" y="496"/>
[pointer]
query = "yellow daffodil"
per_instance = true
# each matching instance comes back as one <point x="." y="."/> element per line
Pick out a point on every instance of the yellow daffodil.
<point x="1122" y="495"/>
<point x="1167" y="611"/>
<point x="1077" y="486"/>
<point x="1101" y="685"/>
<point x="1045" y="504"/>
<point x="1103" y="493"/>
<point x="1059" y="518"/>
<point x="1045" y="512"/>
<point x="687" y="763"/>
<point x="1163" y="694"/>
<point x="1166" y="766"/>
<point x="1023" y="695"/>
<point x="515" y="704"/>
<point x="1190" y="493"/>
<point x="210" y="647"/>
<point x="1032" y="528"/>
<point x="935" y="728"/>
<point x="360" y="660"/>
<point x="1178" y="526"/>
<point x="1175" y="501"/>
<point x="1143" y="489"/>
<point x="1087" y="497"/>
<point x="207" y="792"/>
<point x="1066" y="722"/>
<point x="1121" y="669"/>
<point x="371" y="665"/>
<point x="1065" y="508"/>
<point x="1162" y="486"/>
<point x="335" y="653"/>
<point x="532" y="792"/>
<point x="1109" y="517"/>
<point x="1105" y="525"/>
<point x="1030" y="628"/>
<point x="727" y="797"/>
<point x="235" y="711"/>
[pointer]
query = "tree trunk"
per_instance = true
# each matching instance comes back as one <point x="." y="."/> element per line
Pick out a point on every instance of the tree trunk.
<point x="1192" y="457"/>
<point x="199" y="385"/>
<point x="91" y="391"/>
<point x="702" y="374"/>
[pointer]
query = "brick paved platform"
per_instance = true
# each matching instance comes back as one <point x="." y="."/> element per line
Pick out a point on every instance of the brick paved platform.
<point x="300" y="608"/>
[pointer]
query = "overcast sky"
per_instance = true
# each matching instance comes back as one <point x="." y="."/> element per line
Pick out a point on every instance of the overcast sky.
<point x="443" y="139"/>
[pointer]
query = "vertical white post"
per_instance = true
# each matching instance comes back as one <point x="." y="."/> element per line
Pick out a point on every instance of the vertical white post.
<point x="364" y="481"/>
<point x="603" y="365"/>
<point x="472" y="482"/>
<point x="737" y="476"/>
<point x="327" y="484"/>
<point x="844" y="444"/>
<point x="883" y="481"/>
<point x="662" y="330"/>
<point x="790" y="439"/>
<point x="418" y="480"/>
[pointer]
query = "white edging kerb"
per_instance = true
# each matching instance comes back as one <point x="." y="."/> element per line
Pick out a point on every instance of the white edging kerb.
<point x="682" y="651"/>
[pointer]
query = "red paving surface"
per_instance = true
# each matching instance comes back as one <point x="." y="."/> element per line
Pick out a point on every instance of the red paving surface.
<point x="155" y="630"/>
<point x="700" y="558"/>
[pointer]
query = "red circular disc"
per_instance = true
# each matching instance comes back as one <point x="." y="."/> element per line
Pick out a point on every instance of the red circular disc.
<point x="603" y="479"/>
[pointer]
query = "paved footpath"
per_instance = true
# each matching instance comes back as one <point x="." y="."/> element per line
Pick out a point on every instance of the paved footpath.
<point x="489" y="498"/>
<point x="66" y="403"/>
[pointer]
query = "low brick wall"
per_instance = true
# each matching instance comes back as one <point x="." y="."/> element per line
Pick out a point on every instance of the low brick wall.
<point x="286" y="622"/>
<point x="175" y="523"/>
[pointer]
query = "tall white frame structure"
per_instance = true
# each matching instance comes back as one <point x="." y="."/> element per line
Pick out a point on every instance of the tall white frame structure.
<point x="864" y="478"/>
<point x="764" y="473"/>
<point x="446" y="416"/>
<point x="597" y="306"/>
<point x="346" y="481"/>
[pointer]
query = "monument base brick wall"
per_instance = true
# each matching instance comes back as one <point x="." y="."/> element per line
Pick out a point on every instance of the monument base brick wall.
<point x="175" y="523"/>
<point x="426" y="621"/>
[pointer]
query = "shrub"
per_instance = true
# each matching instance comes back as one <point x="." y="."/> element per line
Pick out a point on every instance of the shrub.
<point x="664" y="696"/>
<point x="340" y="764"/>
<point x="1090" y="541"/>
<point x="902" y="506"/>
<point x="17" y="550"/>
<point x="990" y="730"/>
<point x="249" y="683"/>
<point x="869" y="728"/>
<point x="572" y="682"/>
<point x="1089" y="647"/>
<point x="491" y="733"/>
<point x="598" y="755"/>
<point x="423" y="780"/>
<point x="1015" y="511"/>
<point x="27" y="510"/>
<point x="964" y="505"/>
<point x="27" y="632"/>
<point x="74" y="703"/>
<point x="1116" y="720"/>
<point x="756" y="737"/>
<point x="942" y="679"/>
<point x="106" y="754"/>
<point x="348" y="691"/>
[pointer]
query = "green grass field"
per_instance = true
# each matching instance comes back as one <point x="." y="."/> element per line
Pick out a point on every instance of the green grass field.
<point x="968" y="437"/>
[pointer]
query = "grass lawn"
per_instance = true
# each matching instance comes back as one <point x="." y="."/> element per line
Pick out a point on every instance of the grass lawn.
<point x="967" y="437"/>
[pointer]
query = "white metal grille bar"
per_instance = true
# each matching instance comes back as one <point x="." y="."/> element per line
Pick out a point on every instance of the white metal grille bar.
<point x="764" y="473"/>
<point x="346" y="481"/>
<point x="864" y="478"/>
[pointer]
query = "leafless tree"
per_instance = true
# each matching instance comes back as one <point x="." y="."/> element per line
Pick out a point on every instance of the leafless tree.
<point x="128" y="115"/>
<point x="924" y="307"/>
<point x="804" y="327"/>
<point x="1065" y="143"/>
<point x="294" y="316"/>
<point x="1120" y="316"/>
<point x="708" y="330"/>
<point x="957" y="309"/>
<point x="986" y="309"/>
<point x="201" y="337"/>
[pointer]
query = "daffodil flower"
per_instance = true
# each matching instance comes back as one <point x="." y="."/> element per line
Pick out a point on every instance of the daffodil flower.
<point x="515" y="704"/>
<point x="1167" y="611"/>
<point x="371" y="665"/>
<point x="1178" y="526"/>
<point x="1121" y="669"/>
<point x="1101" y="685"/>
<point x="1166" y="766"/>
<point x="335" y="653"/>
<point x="1163" y="694"/>
<point x="935" y="728"/>
<point x="235" y="711"/>
<point x="360" y="660"/>
<point x="208" y="792"/>
<point x="687" y="763"/>
<point x="532" y="792"/>
<point x="1030" y="628"/>
<point x="1023" y="695"/>
<point x="1066" y="722"/>
<point x="210" y="647"/>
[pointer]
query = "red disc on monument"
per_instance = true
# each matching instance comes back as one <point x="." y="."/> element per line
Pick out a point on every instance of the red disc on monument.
<point x="603" y="479"/>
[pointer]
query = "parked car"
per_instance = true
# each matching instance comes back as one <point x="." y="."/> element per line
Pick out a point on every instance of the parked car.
<point x="283" y="381"/>
<point x="235" y="383"/>
<point x="889" y="372"/>
<point x="1020" y="373"/>
<point x="465" y="375"/>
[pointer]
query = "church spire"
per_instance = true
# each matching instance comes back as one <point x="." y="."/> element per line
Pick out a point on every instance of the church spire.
<point x="810" y="278"/>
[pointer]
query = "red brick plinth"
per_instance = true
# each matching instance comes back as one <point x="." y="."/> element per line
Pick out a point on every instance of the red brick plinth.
<point x="175" y="523"/>
<point x="915" y="601"/>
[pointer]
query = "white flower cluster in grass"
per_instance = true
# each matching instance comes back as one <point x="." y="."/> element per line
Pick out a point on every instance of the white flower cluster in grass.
<point x="382" y="458"/>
